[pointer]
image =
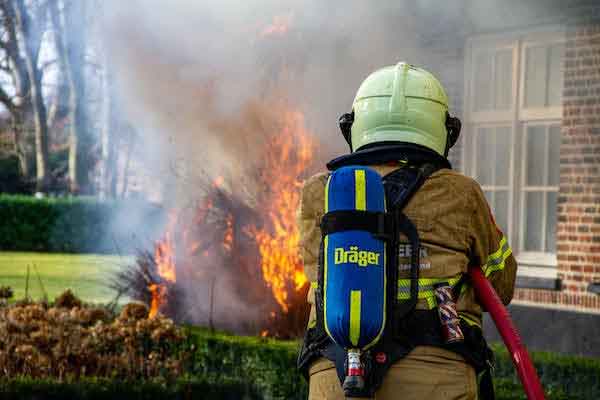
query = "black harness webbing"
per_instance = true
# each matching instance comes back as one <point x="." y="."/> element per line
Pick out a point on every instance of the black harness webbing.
<point x="400" y="186"/>
<point x="406" y="327"/>
<point x="377" y="223"/>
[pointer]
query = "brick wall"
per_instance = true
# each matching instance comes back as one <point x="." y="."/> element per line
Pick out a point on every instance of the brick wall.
<point x="578" y="233"/>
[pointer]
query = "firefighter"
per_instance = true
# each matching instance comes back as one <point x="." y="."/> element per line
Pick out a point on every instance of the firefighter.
<point x="400" y="118"/>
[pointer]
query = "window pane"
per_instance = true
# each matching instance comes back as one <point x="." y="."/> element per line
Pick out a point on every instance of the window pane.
<point x="503" y="80"/>
<point x="534" y="154"/>
<point x="554" y="156"/>
<point x="502" y="149"/>
<point x="501" y="209"/>
<point x="485" y="149"/>
<point x="533" y="219"/>
<point x="555" y="78"/>
<point x="535" y="77"/>
<point x="551" y="222"/>
<point x="483" y="82"/>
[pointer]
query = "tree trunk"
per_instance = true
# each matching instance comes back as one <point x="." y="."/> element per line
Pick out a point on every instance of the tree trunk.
<point x="130" y="145"/>
<point x="109" y="161"/>
<point x="22" y="145"/>
<point x="23" y="23"/>
<point x="69" y="25"/>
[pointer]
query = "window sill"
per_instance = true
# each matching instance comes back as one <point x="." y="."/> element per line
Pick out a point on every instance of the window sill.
<point x="537" y="278"/>
<point x="537" y="260"/>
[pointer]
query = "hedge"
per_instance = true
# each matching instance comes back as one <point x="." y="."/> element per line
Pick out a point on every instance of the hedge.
<point x="226" y="367"/>
<point x="101" y="389"/>
<point x="75" y="225"/>
<point x="270" y="365"/>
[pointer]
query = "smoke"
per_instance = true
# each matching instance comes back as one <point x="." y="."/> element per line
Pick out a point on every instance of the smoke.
<point x="205" y="82"/>
<point x="191" y="74"/>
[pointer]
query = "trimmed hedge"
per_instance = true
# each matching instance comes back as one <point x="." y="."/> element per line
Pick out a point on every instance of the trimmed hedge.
<point x="101" y="389"/>
<point x="73" y="225"/>
<point x="579" y="377"/>
<point x="270" y="365"/>
<point x="228" y="367"/>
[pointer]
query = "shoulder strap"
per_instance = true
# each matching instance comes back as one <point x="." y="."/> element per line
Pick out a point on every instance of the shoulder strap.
<point x="400" y="186"/>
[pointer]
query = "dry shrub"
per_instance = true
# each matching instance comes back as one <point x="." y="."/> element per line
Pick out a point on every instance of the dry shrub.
<point x="74" y="340"/>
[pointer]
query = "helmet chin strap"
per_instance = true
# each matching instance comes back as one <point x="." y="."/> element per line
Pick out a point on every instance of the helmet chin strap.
<point x="345" y="122"/>
<point x="453" y="127"/>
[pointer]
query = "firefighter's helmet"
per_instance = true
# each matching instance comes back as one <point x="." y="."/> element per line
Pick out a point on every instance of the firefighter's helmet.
<point x="401" y="104"/>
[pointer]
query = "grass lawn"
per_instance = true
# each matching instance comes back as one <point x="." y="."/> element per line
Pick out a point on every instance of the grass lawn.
<point x="86" y="275"/>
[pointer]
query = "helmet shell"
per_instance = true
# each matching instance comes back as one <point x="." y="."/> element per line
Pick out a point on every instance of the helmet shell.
<point x="400" y="103"/>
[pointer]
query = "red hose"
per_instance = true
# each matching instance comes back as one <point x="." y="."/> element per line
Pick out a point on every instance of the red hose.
<point x="489" y="299"/>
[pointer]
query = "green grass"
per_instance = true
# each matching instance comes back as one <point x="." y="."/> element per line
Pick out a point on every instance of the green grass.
<point x="86" y="275"/>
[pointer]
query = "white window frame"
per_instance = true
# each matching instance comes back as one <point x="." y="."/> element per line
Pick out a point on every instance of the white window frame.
<point x="537" y="39"/>
<point x="535" y="257"/>
<point x="511" y="176"/>
<point x="517" y="117"/>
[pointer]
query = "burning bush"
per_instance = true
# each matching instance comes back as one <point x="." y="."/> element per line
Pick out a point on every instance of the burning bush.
<point x="231" y="259"/>
<point x="71" y="340"/>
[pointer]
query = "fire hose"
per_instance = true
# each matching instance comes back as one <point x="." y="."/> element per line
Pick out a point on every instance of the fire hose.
<point x="489" y="299"/>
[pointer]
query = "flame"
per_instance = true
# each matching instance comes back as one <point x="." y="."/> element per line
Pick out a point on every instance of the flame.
<point x="228" y="239"/>
<point x="219" y="181"/>
<point x="164" y="257"/>
<point x="279" y="27"/>
<point x="288" y="156"/>
<point x="159" y="293"/>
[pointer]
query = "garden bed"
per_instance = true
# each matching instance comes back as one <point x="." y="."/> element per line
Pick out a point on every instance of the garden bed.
<point x="131" y="356"/>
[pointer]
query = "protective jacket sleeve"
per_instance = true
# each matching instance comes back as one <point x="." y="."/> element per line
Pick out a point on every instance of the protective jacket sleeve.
<point x="490" y="248"/>
<point x="310" y="212"/>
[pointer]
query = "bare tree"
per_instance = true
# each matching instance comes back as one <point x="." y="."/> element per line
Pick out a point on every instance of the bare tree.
<point x="28" y="26"/>
<point x="108" y="178"/>
<point x="15" y="88"/>
<point x="68" y="19"/>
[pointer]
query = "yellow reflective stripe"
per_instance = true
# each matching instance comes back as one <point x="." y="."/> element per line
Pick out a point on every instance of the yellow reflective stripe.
<point x="325" y="245"/>
<point x="425" y="289"/>
<point x="314" y="285"/>
<point x="312" y="324"/>
<point x="495" y="261"/>
<point x="355" y="300"/>
<point x="470" y="321"/>
<point x="431" y="303"/>
<point x="498" y="252"/>
<point x="360" y="190"/>
<point x="384" y="303"/>
<point x="425" y="285"/>
<point x="327" y="194"/>
<point x="423" y="294"/>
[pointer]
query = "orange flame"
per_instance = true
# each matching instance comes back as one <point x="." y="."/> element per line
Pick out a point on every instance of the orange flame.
<point x="280" y="26"/>
<point x="228" y="239"/>
<point x="159" y="293"/>
<point x="164" y="256"/>
<point x="288" y="157"/>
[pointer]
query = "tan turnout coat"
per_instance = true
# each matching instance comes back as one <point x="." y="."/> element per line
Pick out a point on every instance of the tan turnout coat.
<point x="456" y="229"/>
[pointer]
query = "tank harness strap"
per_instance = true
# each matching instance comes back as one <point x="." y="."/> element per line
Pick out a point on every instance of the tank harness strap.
<point x="400" y="186"/>
<point x="378" y="223"/>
